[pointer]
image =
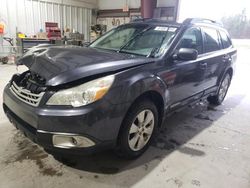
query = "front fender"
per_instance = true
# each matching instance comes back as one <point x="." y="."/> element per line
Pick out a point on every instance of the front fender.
<point x="145" y="83"/>
<point x="131" y="84"/>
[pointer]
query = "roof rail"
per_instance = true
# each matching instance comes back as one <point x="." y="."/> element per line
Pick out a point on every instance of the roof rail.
<point x="201" y="20"/>
<point x="141" y="19"/>
<point x="149" y="20"/>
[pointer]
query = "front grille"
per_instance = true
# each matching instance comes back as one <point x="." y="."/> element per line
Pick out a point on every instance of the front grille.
<point x="25" y="95"/>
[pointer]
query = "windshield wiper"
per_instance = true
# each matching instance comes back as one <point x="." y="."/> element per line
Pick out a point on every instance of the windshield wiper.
<point x="132" y="53"/>
<point x="130" y="40"/>
<point x="156" y="49"/>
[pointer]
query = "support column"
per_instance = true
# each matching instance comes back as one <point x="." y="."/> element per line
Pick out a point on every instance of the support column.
<point x="177" y="10"/>
<point x="147" y="8"/>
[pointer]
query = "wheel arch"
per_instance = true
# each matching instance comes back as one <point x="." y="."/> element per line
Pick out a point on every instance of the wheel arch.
<point x="229" y="70"/>
<point x="153" y="96"/>
<point x="152" y="88"/>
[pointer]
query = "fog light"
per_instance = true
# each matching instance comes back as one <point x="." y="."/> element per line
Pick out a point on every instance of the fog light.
<point x="69" y="141"/>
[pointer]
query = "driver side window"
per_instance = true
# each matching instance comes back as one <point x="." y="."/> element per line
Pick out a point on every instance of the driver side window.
<point x="192" y="38"/>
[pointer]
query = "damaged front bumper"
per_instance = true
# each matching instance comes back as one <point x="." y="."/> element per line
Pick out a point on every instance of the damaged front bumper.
<point x="82" y="130"/>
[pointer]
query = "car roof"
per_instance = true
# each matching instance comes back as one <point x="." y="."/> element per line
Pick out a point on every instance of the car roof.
<point x="203" y="22"/>
<point x="155" y="22"/>
<point x="188" y="21"/>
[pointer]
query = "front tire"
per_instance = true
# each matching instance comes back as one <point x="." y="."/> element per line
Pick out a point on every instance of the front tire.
<point x="137" y="129"/>
<point x="222" y="91"/>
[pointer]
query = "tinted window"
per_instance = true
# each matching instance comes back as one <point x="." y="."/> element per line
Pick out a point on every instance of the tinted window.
<point x="211" y="40"/>
<point x="225" y="39"/>
<point x="192" y="38"/>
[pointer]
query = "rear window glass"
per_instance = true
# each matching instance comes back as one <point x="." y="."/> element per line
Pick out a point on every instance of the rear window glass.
<point x="225" y="39"/>
<point x="211" y="40"/>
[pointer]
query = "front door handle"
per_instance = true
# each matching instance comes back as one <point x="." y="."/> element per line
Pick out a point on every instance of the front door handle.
<point x="226" y="58"/>
<point x="203" y="65"/>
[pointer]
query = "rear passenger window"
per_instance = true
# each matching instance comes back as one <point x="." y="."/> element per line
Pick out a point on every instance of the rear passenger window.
<point x="225" y="39"/>
<point x="211" y="40"/>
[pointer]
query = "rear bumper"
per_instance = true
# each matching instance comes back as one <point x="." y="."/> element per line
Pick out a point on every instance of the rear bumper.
<point x="100" y="122"/>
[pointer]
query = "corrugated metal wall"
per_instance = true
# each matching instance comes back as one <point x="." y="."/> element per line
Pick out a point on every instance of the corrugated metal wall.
<point x="29" y="16"/>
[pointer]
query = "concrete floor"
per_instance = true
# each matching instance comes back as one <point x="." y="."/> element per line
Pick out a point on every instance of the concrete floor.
<point x="198" y="147"/>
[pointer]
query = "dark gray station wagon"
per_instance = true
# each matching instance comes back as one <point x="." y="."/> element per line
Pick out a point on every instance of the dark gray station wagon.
<point x="114" y="93"/>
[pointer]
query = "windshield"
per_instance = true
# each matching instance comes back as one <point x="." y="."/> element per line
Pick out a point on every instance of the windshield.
<point x="138" y="39"/>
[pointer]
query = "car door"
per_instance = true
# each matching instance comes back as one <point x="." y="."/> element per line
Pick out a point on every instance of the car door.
<point x="229" y="52"/>
<point x="214" y="56"/>
<point x="184" y="78"/>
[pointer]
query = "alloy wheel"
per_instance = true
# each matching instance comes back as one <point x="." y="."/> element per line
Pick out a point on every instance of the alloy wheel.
<point x="141" y="130"/>
<point x="224" y="87"/>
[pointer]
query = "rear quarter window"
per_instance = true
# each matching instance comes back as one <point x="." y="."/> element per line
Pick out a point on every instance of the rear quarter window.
<point x="226" y="42"/>
<point x="212" y="41"/>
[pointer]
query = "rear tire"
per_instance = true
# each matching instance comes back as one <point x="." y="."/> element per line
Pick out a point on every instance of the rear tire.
<point x="137" y="129"/>
<point x="222" y="91"/>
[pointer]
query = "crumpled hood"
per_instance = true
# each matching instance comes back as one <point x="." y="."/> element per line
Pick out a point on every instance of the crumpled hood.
<point x="62" y="64"/>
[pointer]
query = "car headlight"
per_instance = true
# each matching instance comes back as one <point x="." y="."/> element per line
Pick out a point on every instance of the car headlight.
<point x="83" y="94"/>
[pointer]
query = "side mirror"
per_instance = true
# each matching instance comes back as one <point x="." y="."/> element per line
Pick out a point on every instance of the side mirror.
<point x="186" y="54"/>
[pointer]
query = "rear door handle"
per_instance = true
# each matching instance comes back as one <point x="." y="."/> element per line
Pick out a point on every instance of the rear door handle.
<point x="203" y="65"/>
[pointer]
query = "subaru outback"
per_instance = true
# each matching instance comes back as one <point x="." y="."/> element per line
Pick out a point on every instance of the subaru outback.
<point x="115" y="92"/>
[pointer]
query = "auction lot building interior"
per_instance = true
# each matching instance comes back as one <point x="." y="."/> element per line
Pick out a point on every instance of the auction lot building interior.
<point x="199" y="145"/>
